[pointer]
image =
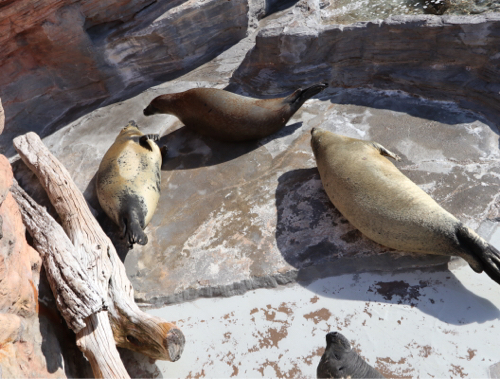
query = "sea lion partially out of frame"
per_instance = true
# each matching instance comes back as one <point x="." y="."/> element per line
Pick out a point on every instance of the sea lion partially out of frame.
<point x="341" y="361"/>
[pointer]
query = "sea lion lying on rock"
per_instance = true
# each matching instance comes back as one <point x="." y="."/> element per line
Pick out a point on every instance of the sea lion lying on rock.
<point x="128" y="181"/>
<point x="229" y="117"/>
<point x="387" y="207"/>
<point x="341" y="361"/>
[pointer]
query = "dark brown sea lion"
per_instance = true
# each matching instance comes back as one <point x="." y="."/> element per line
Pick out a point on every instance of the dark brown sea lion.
<point x="128" y="181"/>
<point x="341" y="361"/>
<point x="387" y="207"/>
<point x="229" y="117"/>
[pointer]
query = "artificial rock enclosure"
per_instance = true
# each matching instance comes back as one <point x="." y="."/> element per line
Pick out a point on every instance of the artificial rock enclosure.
<point x="248" y="226"/>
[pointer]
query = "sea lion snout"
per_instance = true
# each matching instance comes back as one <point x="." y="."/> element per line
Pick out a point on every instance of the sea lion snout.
<point x="315" y="139"/>
<point x="149" y="110"/>
<point x="338" y="340"/>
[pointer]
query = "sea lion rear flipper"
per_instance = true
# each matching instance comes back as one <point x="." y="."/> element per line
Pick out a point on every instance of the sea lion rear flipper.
<point x="487" y="256"/>
<point x="301" y="95"/>
<point x="385" y="152"/>
<point x="133" y="231"/>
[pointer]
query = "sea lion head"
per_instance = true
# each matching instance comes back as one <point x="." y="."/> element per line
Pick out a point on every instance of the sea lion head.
<point x="161" y="104"/>
<point x="337" y="342"/>
<point x="316" y="137"/>
<point x="131" y="129"/>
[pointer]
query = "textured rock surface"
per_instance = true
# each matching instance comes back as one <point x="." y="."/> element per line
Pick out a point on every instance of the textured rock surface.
<point x="32" y="335"/>
<point x="62" y="58"/>
<point x="422" y="55"/>
<point x="237" y="217"/>
<point x="59" y="57"/>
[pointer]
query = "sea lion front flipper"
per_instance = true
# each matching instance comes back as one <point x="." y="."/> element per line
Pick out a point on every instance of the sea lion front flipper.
<point x="154" y="137"/>
<point x="384" y="151"/>
<point x="482" y="255"/>
<point x="143" y="140"/>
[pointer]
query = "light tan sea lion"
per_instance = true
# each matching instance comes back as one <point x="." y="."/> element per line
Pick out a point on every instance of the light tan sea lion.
<point x="229" y="117"/>
<point x="128" y="181"/>
<point x="387" y="207"/>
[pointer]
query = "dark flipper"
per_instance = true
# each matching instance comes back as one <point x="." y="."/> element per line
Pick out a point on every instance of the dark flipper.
<point x="482" y="251"/>
<point x="143" y="141"/>
<point x="133" y="231"/>
<point x="341" y="361"/>
<point x="301" y="95"/>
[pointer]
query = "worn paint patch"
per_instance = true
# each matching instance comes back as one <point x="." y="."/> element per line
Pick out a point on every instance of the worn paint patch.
<point x="403" y="290"/>
<point x="282" y="332"/>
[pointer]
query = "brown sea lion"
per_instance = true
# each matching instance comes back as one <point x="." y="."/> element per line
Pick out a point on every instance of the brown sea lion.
<point x="229" y="117"/>
<point x="128" y="181"/>
<point x="341" y="361"/>
<point x="387" y="207"/>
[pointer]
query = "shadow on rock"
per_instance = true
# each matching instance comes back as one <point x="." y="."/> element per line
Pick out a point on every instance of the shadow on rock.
<point x="190" y="150"/>
<point x="435" y="291"/>
<point x="108" y="226"/>
<point x="138" y="365"/>
<point x="319" y="242"/>
<point x="58" y="341"/>
<point x="448" y="113"/>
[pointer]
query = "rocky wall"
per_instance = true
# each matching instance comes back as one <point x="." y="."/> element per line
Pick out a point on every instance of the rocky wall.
<point x="30" y="333"/>
<point x="450" y="58"/>
<point x="34" y="341"/>
<point x="62" y="57"/>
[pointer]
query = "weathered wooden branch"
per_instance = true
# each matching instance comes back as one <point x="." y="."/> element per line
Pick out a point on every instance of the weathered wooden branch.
<point x="97" y="257"/>
<point x="76" y="297"/>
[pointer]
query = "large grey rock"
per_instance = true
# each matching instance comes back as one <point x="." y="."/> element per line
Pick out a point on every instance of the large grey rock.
<point x="448" y="58"/>
<point x="234" y="217"/>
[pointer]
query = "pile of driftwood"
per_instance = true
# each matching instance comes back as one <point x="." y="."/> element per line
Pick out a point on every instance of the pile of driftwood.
<point x="87" y="278"/>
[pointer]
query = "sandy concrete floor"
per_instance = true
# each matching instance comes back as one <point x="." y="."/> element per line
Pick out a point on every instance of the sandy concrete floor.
<point x="409" y="324"/>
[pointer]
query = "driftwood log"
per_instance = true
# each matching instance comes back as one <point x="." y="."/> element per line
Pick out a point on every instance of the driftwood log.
<point x="87" y="278"/>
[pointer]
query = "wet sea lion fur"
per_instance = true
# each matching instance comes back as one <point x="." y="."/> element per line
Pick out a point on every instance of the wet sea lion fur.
<point x="229" y="117"/>
<point x="387" y="207"/>
<point x="128" y="181"/>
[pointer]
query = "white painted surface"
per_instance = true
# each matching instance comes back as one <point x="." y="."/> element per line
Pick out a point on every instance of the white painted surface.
<point x="445" y="324"/>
